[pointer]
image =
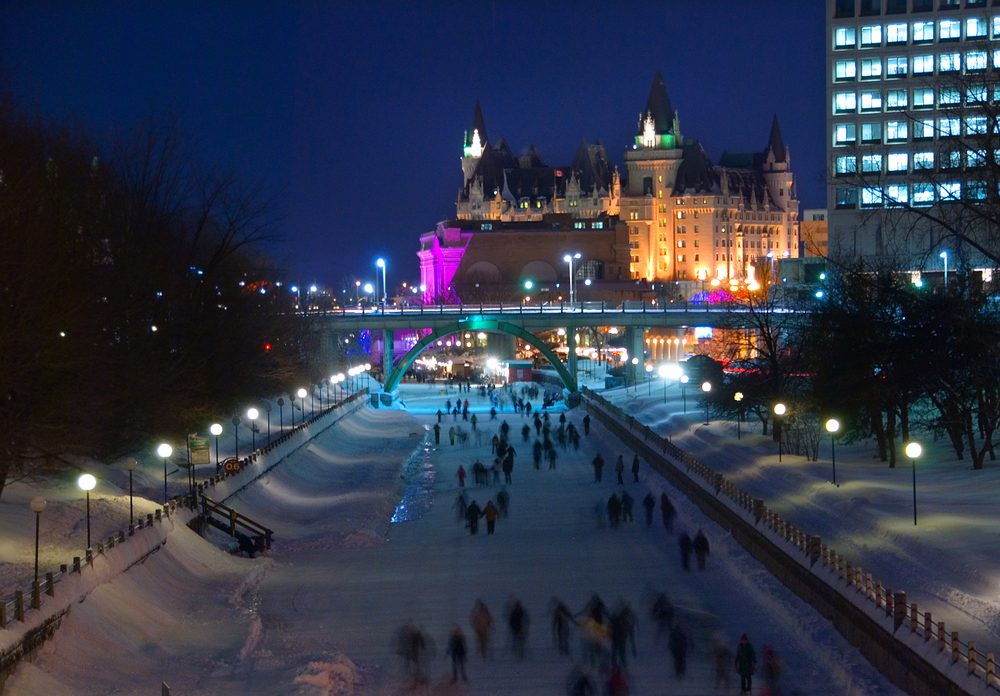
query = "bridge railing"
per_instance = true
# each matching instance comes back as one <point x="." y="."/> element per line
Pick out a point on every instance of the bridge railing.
<point x="627" y="307"/>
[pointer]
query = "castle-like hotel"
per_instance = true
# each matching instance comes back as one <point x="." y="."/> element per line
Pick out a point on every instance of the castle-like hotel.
<point x="674" y="217"/>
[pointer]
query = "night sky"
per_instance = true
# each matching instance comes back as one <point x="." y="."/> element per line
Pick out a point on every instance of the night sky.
<point x="353" y="113"/>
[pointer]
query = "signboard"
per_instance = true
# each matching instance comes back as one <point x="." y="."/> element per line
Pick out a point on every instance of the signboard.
<point x="199" y="450"/>
<point x="231" y="465"/>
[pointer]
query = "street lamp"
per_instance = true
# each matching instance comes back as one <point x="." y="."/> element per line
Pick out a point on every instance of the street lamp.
<point x="369" y="290"/>
<point x="913" y="450"/>
<point x="38" y="504"/>
<point x="672" y="371"/>
<point x="568" y="258"/>
<point x="86" y="483"/>
<point x="832" y="426"/>
<point x="281" y="415"/>
<point x="684" y="401"/>
<point x="706" y="387"/>
<point x="944" y="255"/>
<point x="216" y="430"/>
<point x="267" y="410"/>
<point x="131" y="464"/>
<point x="357" y="292"/>
<point x="649" y="380"/>
<point x="779" y="411"/>
<point x="301" y="393"/>
<point x="380" y="263"/>
<point x="738" y="398"/>
<point x="291" y="399"/>
<point x="163" y="451"/>
<point x="252" y="416"/>
<point x="634" y="362"/>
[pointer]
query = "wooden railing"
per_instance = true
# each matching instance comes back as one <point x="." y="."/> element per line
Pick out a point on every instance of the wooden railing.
<point x="229" y="520"/>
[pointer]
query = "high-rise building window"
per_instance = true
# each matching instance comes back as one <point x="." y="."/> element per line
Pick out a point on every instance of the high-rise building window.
<point x="949" y="30"/>
<point x="948" y="62"/>
<point x="949" y="4"/>
<point x="845" y="133"/>
<point x="871" y="163"/>
<point x="923" y="5"/>
<point x="975" y="94"/>
<point x="975" y="190"/>
<point x="896" y="33"/>
<point x="895" y="66"/>
<point x="923" y="32"/>
<point x="975" y="125"/>
<point x="897" y="161"/>
<point x="975" y="27"/>
<point x="975" y="60"/>
<point x="846" y="165"/>
<point x="871" y="100"/>
<point x="996" y="27"/>
<point x="871" y="35"/>
<point x="871" y="8"/>
<point x="951" y="159"/>
<point x="871" y="196"/>
<point x="949" y="127"/>
<point x="895" y="131"/>
<point x="996" y="58"/>
<point x="923" y="194"/>
<point x="895" y="7"/>
<point x="974" y="159"/>
<point x="871" y="68"/>
<point x="923" y="160"/>
<point x="923" y="64"/>
<point x="948" y="96"/>
<point x="845" y="102"/>
<point x="923" y="98"/>
<point x="845" y="70"/>
<point x="847" y="197"/>
<point x="923" y="129"/>
<point x="871" y="132"/>
<point x="895" y="99"/>
<point x="844" y="37"/>
<point x="950" y="191"/>
<point x="897" y="194"/>
<point x="844" y="8"/>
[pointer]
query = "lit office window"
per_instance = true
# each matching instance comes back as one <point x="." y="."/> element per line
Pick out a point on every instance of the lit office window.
<point x="975" y="125"/>
<point x="948" y="96"/>
<point x="996" y="27"/>
<point x="895" y="131"/>
<point x="845" y="70"/>
<point x="923" y="65"/>
<point x="897" y="194"/>
<point x="897" y="161"/>
<point x="895" y="99"/>
<point x="975" y="190"/>
<point x="847" y="197"/>
<point x="923" y="32"/>
<point x="844" y="37"/>
<point x="871" y="196"/>
<point x="975" y="94"/>
<point x="949" y="62"/>
<point x="951" y="159"/>
<point x="848" y="164"/>
<point x="975" y="60"/>
<point x="975" y="159"/>
<point x="975" y="27"/>
<point x="871" y="68"/>
<point x="871" y="35"/>
<point x="949" y="127"/>
<point x="923" y="194"/>
<point x="871" y="163"/>
<point x="895" y="66"/>
<point x="871" y="100"/>
<point x="949" y="30"/>
<point x="950" y="191"/>
<point x="871" y="132"/>
<point x="845" y="102"/>
<point x="923" y="98"/>
<point x="845" y="133"/>
<point x="923" y="160"/>
<point x="923" y="129"/>
<point x="895" y="33"/>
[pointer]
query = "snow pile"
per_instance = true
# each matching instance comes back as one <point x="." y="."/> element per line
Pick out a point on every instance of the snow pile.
<point x="339" y="677"/>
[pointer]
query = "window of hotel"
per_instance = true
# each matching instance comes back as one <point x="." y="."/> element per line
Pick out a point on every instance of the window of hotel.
<point x="895" y="7"/>
<point x="871" y="100"/>
<point x="897" y="194"/>
<point x="895" y="99"/>
<point x="845" y="133"/>
<point x="975" y="125"/>
<point x="681" y="258"/>
<point x="871" y="163"/>
<point x="923" y="98"/>
<point x="895" y="33"/>
<point x="897" y="161"/>
<point x="923" y="160"/>
<point x="949" y="62"/>
<point x="871" y="68"/>
<point x="845" y="102"/>
<point x="923" y="129"/>
<point x="996" y="27"/>
<point x="847" y="197"/>
<point x="976" y="190"/>
<point x="871" y="196"/>
<point x="681" y="243"/>
<point x="895" y="66"/>
<point x="949" y="127"/>
<point x="871" y="8"/>
<point x="975" y="60"/>
<point x="950" y="191"/>
<point x="949" y="30"/>
<point x="975" y="27"/>
<point x="948" y="95"/>
<point x="975" y="159"/>
<point x="923" y="32"/>
<point x="952" y="159"/>
<point x="895" y="131"/>
<point x="923" y="194"/>
<point x="844" y="37"/>
<point x="975" y="94"/>
<point x="871" y="35"/>
<point x="845" y="70"/>
<point x="923" y="65"/>
<point x="846" y="165"/>
<point x="871" y="132"/>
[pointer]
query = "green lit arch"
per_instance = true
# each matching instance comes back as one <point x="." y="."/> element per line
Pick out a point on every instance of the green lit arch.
<point x="478" y="324"/>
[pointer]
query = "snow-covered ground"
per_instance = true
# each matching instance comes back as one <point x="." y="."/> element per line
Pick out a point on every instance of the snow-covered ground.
<point x="320" y="614"/>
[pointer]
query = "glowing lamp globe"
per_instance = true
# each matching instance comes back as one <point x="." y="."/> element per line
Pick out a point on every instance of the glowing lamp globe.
<point x="913" y="450"/>
<point x="86" y="482"/>
<point x="215" y="429"/>
<point x="164" y="450"/>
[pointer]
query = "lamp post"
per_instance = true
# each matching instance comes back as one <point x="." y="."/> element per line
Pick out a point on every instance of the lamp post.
<point x="738" y="398"/>
<point x="131" y="464"/>
<point x="673" y="371"/>
<point x="779" y="411"/>
<point x="380" y="263"/>
<point x="216" y="430"/>
<point x="832" y="426"/>
<point x="163" y="451"/>
<point x="38" y="504"/>
<point x="706" y="387"/>
<point x="267" y="410"/>
<point x="301" y="393"/>
<point x="236" y="435"/>
<point x="252" y="416"/>
<point x="913" y="451"/>
<point x="291" y="399"/>
<point x="357" y="292"/>
<point x="684" y="402"/>
<point x="281" y="415"/>
<point x="633" y="362"/>
<point x="649" y="380"/>
<point x="568" y="258"/>
<point x="86" y="483"/>
<point x="369" y="290"/>
<point x="944" y="255"/>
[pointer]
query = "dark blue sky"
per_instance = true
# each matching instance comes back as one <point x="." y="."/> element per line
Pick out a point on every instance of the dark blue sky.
<point x="353" y="112"/>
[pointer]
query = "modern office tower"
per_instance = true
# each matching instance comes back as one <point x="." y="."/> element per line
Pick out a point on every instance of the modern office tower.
<point x="912" y="96"/>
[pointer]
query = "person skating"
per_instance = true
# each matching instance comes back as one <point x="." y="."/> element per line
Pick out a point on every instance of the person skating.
<point x="461" y="476"/>
<point x="473" y="420"/>
<point x="635" y="468"/>
<point x="598" y="467"/>
<point x="622" y="631"/>
<point x="552" y="456"/>
<point x="439" y="415"/>
<point x="614" y="510"/>
<point x="686" y="546"/>
<point x="562" y="617"/>
<point x="482" y="625"/>
<point x="517" y="622"/>
<point x="772" y="669"/>
<point x="490" y="512"/>
<point x="620" y="469"/>
<point x="667" y="509"/>
<point x="648" y="504"/>
<point x="679" y="643"/>
<point x="586" y="424"/>
<point x="437" y="434"/>
<point x="472" y="515"/>
<point x="536" y="454"/>
<point x="503" y="501"/>
<point x="461" y="506"/>
<point x="579" y="683"/>
<point x="746" y="663"/>
<point x="662" y="613"/>
<point x="700" y="546"/>
<point x="451" y="434"/>
<point x="627" y="507"/>
<point x="508" y="467"/>
<point x="526" y="432"/>
<point x="722" y="658"/>
<point x="457" y="651"/>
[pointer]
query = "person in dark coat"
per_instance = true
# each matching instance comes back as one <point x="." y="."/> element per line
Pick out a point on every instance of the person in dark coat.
<point x="627" y="507"/>
<point x="437" y="433"/>
<point x="562" y="617"/>
<point x="457" y="650"/>
<point x="700" y="546"/>
<point x="461" y="506"/>
<point x="635" y="469"/>
<point x="508" y="467"/>
<point x="526" y="432"/>
<point x="622" y="630"/>
<point x="472" y="515"/>
<point x="662" y="613"/>
<point x="679" y="643"/>
<point x="451" y="434"/>
<point x="491" y="512"/>
<point x="552" y="456"/>
<point x="482" y="625"/>
<point x="578" y="683"/>
<point x="598" y="467"/>
<point x="614" y="510"/>
<point x="746" y="663"/>
<point x="503" y="501"/>
<point x="518" y="621"/>
<point x="586" y="424"/>
<point x="473" y="420"/>
<point x="439" y="415"/>
<point x="620" y="469"/>
<point x="648" y="504"/>
<point x="686" y="546"/>
<point x="536" y="454"/>
<point x="667" y="508"/>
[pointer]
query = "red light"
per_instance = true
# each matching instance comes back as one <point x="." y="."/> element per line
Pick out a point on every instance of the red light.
<point x="267" y="347"/>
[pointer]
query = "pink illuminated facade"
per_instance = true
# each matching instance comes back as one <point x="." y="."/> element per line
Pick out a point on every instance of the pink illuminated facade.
<point x="440" y="255"/>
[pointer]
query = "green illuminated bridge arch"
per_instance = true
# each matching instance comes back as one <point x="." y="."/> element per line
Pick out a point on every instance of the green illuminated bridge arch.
<point x="478" y="323"/>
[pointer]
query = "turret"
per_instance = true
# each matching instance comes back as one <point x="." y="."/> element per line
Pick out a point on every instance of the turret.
<point x="474" y="143"/>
